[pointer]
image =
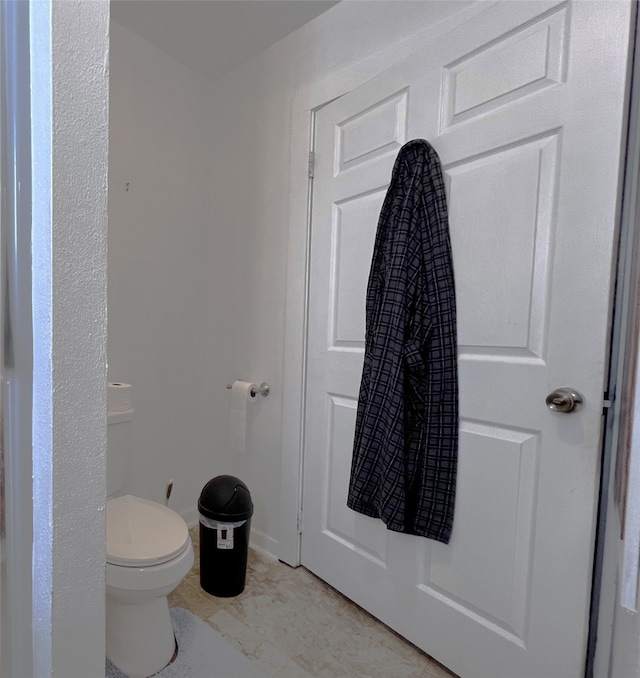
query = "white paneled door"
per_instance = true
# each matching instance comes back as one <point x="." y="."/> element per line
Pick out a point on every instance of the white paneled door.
<point x="525" y="105"/>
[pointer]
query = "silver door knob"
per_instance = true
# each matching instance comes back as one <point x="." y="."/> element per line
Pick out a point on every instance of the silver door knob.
<point x="565" y="400"/>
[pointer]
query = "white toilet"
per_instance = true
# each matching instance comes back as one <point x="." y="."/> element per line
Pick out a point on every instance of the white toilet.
<point x="149" y="552"/>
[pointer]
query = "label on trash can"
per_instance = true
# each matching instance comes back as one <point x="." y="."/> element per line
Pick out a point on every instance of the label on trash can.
<point x="224" y="536"/>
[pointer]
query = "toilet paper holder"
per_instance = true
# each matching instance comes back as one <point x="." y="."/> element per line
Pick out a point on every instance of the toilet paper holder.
<point x="264" y="389"/>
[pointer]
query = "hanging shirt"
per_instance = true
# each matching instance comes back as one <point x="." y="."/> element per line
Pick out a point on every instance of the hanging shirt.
<point x="406" y="441"/>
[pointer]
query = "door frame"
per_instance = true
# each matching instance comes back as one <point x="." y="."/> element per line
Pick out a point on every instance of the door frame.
<point x="17" y="640"/>
<point x="308" y="101"/>
<point x="617" y="561"/>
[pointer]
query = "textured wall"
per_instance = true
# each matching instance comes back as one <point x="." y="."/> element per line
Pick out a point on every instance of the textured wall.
<point x="70" y="328"/>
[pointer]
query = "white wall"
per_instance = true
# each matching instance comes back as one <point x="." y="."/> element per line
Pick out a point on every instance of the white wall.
<point x="250" y="202"/>
<point x="158" y="269"/>
<point x="70" y="128"/>
<point x="198" y="246"/>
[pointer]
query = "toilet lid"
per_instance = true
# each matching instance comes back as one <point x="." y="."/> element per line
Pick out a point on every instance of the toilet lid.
<point x="141" y="532"/>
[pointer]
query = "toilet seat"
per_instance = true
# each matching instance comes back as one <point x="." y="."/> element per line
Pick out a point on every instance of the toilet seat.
<point x="143" y="533"/>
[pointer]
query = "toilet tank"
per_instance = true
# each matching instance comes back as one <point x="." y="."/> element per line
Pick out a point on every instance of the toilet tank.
<point x="118" y="450"/>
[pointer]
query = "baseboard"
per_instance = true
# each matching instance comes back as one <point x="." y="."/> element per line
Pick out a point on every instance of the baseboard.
<point x="259" y="541"/>
<point x="263" y="544"/>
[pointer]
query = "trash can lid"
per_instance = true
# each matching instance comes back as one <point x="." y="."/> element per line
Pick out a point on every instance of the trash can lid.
<point x="227" y="499"/>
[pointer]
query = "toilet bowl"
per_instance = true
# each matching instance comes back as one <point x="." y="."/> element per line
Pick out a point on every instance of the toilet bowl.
<point x="149" y="552"/>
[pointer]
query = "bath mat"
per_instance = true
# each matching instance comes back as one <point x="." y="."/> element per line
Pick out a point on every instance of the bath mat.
<point x="202" y="653"/>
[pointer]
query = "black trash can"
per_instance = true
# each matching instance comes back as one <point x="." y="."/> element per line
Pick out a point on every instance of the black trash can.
<point x="225" y="509"/>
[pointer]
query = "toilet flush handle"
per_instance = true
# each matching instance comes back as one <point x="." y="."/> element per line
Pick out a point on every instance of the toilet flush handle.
<point x="168" y="491"/>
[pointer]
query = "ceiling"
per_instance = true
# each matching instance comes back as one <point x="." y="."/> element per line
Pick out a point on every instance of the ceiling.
<point x="212" y="37"/>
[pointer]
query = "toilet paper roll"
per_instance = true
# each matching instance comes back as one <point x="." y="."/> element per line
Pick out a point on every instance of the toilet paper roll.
<point x="240" y="399"/>
<point x="118" y="396"/>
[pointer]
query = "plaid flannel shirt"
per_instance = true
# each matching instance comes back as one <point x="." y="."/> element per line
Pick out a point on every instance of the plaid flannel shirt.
<point x="406" y="441"/>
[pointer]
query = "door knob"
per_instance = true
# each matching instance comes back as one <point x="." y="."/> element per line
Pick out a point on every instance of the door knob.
<point x="565" y="400"/>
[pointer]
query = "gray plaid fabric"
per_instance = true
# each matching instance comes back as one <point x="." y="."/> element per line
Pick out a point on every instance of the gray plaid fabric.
<point x="406" y="442"/>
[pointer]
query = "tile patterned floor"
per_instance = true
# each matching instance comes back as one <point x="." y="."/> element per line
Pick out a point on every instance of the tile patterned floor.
<point x="293" y="625"/>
